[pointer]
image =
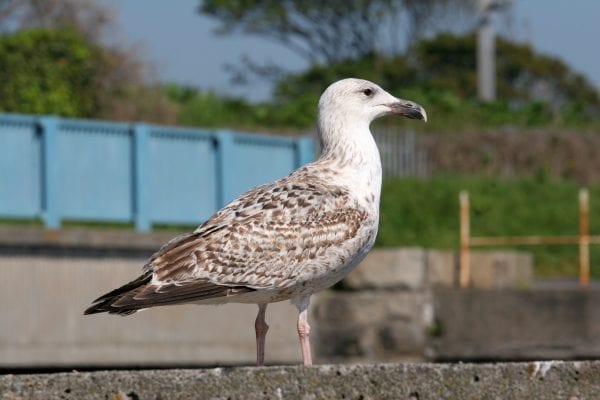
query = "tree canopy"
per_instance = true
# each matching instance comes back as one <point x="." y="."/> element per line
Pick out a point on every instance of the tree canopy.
<point x="44" y="71"/>
<point x="532" y="88"/>
<point x="331" y="31"/>
<point x="447" y="62"/>
<point x="87" y="17"/>
<point x="440" y="73"/>
<point x="54" y="59"/>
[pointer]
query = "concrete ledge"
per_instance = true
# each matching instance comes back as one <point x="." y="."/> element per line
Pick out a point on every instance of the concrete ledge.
<point x="98" y="239"/>
<point x="534" y="380"/>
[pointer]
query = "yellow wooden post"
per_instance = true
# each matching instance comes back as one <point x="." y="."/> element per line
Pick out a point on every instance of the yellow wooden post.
<point x="464" y="259"/>
<point x="584" y="237"/>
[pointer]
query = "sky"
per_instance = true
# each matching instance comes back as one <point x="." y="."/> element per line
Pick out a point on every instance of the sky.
<point x="183" y="47"/>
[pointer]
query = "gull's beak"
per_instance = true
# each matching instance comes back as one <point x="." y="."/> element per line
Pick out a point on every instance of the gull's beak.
<point x="408" y="109"/>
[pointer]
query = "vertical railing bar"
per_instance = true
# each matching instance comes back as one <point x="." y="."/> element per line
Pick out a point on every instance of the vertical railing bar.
<point x="225" y="142"/>
<point x="305" y="151"/>
<point x="50" y="172"/>
<point x="140" y="165"/>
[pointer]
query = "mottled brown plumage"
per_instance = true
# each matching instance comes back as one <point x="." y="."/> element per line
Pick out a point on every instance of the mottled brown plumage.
<point x="251" y="244"/>
<point x="283" y="240"/>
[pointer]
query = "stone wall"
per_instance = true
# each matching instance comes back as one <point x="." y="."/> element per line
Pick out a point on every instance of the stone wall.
<point x="552" y="380"/>
<point x="384" y="310"/>
<point x="516" y="324"/>
<point x="42" y="322"/>
<point x="388" y="309"/>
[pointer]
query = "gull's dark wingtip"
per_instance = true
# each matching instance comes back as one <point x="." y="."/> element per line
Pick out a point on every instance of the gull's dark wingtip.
<point x="92" y="310"/>
<point x="107" y="307"/>
<point x="105" y="303"/>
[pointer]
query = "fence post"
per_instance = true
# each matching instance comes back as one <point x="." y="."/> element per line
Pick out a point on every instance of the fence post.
<point x="584" y="237"/>
<point x="464" y="256"/>
<point x="50" y="172"/>
<point x="305" y="150"/>
<point x="225" y="141"/>
<point x="141" y="136"/>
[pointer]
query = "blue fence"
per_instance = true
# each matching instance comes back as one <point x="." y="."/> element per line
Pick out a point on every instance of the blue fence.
<point x="67" y="169"/>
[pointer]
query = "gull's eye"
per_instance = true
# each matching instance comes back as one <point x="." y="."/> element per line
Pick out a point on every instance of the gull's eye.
<point x="368" y="92"/>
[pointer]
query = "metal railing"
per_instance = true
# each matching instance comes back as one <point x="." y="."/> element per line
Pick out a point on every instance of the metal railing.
<point x="60" y="169"/>
<point x="401" y="153"/>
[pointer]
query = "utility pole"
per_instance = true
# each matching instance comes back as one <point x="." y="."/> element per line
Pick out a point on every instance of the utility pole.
<point x="486" y="49"/>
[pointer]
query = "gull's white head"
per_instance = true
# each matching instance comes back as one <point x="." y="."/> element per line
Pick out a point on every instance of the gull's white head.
<point x="360" y="101"/>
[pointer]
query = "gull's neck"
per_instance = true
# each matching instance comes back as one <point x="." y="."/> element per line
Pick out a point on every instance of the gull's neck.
<point x="348" y="148"/>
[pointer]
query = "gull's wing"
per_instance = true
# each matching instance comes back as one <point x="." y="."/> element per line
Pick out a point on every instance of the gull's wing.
<point x="262" y="240"/>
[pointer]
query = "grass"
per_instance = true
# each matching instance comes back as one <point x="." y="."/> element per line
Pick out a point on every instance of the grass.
<point x="418" y="212"/>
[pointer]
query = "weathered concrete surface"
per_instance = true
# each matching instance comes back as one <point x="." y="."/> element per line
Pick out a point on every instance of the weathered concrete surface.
<point x="540" y="380"/>
<point x="489" y="269"/>
<point x="516" y="324"/>
<point x="372" y="326"/>
<point x="49" y="277"/>
<point x="403" y="268"/>
<point x="501" y="269"/>
<point x="43" y="298"/>
<point x="42" y="322"/>
<point x="416" y="268"/>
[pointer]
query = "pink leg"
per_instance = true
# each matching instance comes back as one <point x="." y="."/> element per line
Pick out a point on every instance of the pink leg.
<point x="261" y="328"/>
<point x="304" y="330"/>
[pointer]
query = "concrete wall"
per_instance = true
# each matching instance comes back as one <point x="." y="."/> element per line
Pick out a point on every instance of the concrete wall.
<point x="417" y="268"/>
<point x="489" y="269"/>
<point x="372" y="326"/>
<point x="42" y="322"/>
<point x="536" y="380"/>
<point x="386" y="312"/>
<point x="388" y="309"/>
<point x="515" y="324"/>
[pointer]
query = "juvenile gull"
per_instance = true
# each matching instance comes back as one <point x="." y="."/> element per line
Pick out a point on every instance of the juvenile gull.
<point x="287" y="239"/>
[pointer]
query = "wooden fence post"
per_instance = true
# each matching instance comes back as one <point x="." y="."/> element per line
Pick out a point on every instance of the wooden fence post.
<point x="464" y="259"/>
<point x="584" y="237"/>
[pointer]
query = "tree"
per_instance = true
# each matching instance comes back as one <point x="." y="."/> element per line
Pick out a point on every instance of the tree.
<point x="45" y="71"/>
<point x="391" y="72"/>
<point x="87" y="17"/>
<point x="325" y="32"/>
<point x="533" y="89"/>
<point x="118" y="81"/>
<point x="447" y="62"/>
